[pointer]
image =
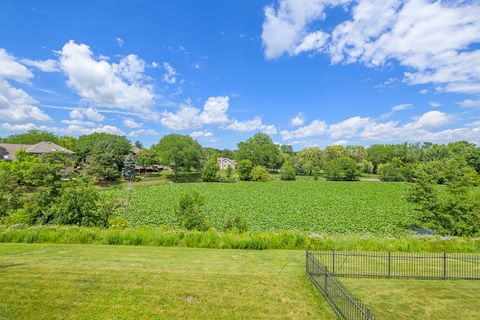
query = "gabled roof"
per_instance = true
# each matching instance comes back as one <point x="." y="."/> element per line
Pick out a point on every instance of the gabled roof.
<point x="8" y="150"/>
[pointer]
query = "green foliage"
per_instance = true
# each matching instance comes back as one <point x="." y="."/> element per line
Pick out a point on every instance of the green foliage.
<point x="260" y="174"/>
<point x="146" y="158"/>
<point x="235" y="223"/>
<point x="310" y="160"/>
<point x="365" y="166"/>
<point x="334" y="152"/>
<point x="260" y="150"/>
<point x="211" y="171"/>
<point x="128" y="170"/>
<point x="245" y="168"/>
<point x="395" y="170"/>
<point x="138" y="144"/>
<point x="179" y="152"/>
<point x="452" y="210"/>
<point x="102" y="154"/>
<point x="287" y="172"/>
<point x="190" y="213"/>
<point x="229" y="173"/>
<point x="287" y="149"/>
<point x="343" y="168"/>
<point x="36" y="136"/>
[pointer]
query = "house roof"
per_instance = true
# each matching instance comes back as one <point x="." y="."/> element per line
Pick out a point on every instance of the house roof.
<point x="227" y="159"/>
<point x="136" y="150"/>
<point x="8" y="150"/>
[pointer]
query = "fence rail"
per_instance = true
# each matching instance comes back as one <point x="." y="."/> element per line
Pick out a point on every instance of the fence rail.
<point x="344" y="303"/>
<point x="401" y="264"/>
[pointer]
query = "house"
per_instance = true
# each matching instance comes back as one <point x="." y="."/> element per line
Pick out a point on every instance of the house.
<point x="8" y="150"/>
<point x="224" y="163"/>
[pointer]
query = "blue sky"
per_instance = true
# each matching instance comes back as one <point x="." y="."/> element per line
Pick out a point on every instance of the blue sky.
<point x="307" y="72"/>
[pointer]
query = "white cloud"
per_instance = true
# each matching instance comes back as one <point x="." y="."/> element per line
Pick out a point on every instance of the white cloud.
<point x="11" y="69"/>
<point x="120" y="41"/>
<point x="170" y="73"/>
<point x="254" y="124"/>
<point x="186" y="118"/>
<point x="298" y="120"/>
<point x="347" y="128"/>
<point x="215" y="111"/>
<point x="403" y="106"/>
<point x="469" y="103"/>
<point x="155" y="65"/>
<point x="104" y="84"/>
<point x="131" y="123"/>
<point x="17" y="106"/>
<point x="143" y="132"/>
<point x="429" y="120"/>
<point x="435" y="40"/>
<point x="73" y="129"/>
<point x="315" y="128"/>
<point x="90" y="113"/>
<point x="49" y="65"/>
<point x="434" y="104"/>
<point x="201" y="134"/>
<point x="77" y="122"/>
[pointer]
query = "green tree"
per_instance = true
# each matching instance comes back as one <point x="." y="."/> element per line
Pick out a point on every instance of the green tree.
<point x="395" y="170"/>
<point x="189" y="212"/>
<point x="343" y="168"/>
<point x="261" y="150"/>
<point x="245" y="168"/>
<point x="287" y="172"/>
<point x="334" y="152"/>
<point x="211" y="171"/>
<point x="310" y="160"/>
<point x="146" y="158"/>
<point x="179" y="152"/>
<point x="260" y="174"/>
<point x="365" y="166"/>
<point x="138" y="144"/>
<point x="378" y="154"/>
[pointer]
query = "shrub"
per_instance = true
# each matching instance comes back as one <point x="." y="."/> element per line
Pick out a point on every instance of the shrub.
<point x="395" y="170"/>
<point x="190" y="213"/>
<point x="260" y="173"/>
<point x="229" y="174"/>
<point x="365" y="166"/>
<point x="245" y="170"/>
<point x="287" y="172"/>
<point x="235" y="223"/>
<point x="343" y="168"/>
<point x="211" y="171"/>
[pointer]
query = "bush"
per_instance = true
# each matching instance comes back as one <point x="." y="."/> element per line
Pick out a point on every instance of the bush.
<point x="237" y="223"/>
<point x="190" y="213"/>
<point x="343" y="168"/>
<point x="245" y="168"/>
<point x="287" y="172"/>
<point x="393" y="171"/>
<point x="260" y="173"/>
<point x="211" y="171"/>
<point x="365" y="166"/>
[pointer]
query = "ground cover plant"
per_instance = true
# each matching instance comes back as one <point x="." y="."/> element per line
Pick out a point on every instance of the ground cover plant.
<point x="418" y="299"/>
<point x="101" y="282"/>
<point x="338" y="207"/>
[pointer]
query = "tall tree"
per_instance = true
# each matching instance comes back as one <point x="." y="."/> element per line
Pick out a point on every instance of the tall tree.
<point x="179" y="152"/>
<point x="261" y="150"/>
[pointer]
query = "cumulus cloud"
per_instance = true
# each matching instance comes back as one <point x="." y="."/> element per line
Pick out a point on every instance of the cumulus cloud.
<point x="89" y="113"/>
<point x="469" y="103"/>
<point x="426" y="127"/>
<point x="74" y="129"/>
<point x="254" y="124"/>
<point x="143" y="133"/>
<point x="201" y="134"/>
<point x="298" y="120"/>
<point x="49" y="65"/>
<point x="113" y="85"/>
<point x="131" y="123"/>
<point x="170" y="75"/>
<point x="186" y="118"/>
<point x="215" y="111"/>
<point x="435" y="40"/>
<point x="11" y="69"/>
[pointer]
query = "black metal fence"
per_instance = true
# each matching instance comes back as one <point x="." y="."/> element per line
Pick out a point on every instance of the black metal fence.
<point x="345" y="305"/>
<point x="400" y="264"/>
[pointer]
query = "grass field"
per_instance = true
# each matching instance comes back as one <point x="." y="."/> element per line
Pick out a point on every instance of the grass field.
<point x="418" y="299"/>
<point x="338" y="207"/>
<point x="125" y="282"/>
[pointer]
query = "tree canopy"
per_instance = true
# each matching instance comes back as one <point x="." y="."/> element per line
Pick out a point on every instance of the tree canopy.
<point x="179" y="152"/>
<point x="261" y="150"/>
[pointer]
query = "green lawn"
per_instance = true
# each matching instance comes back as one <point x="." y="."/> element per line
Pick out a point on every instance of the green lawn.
<point x="338" y="207"/>
<point x="418" y="299"/>
<point x="123" y="282"/>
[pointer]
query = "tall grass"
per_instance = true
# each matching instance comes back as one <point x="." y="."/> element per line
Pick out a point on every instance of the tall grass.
<point x="233" y="240"/>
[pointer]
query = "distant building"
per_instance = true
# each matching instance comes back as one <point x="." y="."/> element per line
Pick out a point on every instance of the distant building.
<point x="8" y="150"/>
<point x="136" y="150"/>
<point x="224" y="163"/>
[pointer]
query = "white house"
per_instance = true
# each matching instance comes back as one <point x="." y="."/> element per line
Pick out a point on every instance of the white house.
<point x="224" y="163"/>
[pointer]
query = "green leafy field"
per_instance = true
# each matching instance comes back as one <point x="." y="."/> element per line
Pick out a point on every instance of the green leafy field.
<point x="333" y="207"/>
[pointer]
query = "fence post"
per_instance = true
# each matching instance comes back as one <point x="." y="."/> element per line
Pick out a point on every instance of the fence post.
<point x="369" y="314"/>
<point x="307" y="262"/>
<point x="444" y="265"/>
<point x="325" y="284"/>
<point x="389" y="264"/>
<point x="333" y="262"/>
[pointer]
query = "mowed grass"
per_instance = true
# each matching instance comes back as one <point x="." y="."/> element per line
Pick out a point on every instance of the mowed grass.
<point x="418" y="299"/>
<point x="124" y="282"/>
<point x="319" y="206"/>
